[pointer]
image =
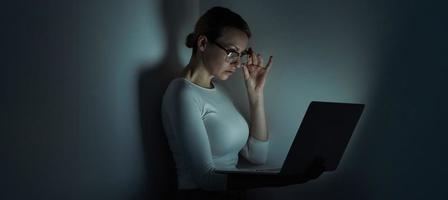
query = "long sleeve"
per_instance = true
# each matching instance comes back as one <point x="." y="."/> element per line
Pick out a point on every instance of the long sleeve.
<point x="256" y="151"/>
<point x="185" y="119"/>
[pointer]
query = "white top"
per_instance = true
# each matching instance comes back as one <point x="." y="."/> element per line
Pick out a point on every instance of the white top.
<point x="205" y="131"/>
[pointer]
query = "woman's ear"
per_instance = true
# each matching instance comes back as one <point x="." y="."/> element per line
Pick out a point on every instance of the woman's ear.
<point x="202" y="42"/>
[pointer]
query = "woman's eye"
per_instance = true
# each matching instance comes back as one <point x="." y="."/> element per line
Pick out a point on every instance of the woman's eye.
<point x="233" y="54"/>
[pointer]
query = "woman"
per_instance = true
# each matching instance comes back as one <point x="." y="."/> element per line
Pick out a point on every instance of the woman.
<point x="204" y="129"/>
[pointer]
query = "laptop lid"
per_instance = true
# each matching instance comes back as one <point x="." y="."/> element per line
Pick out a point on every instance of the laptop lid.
<point x="324" y="132"/>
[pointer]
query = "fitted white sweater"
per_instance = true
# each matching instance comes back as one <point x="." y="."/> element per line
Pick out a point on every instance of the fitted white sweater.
<point x="205" y="132"/>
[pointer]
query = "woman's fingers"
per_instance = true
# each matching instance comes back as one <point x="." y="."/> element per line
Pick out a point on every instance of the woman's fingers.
<point x="254" y="58"/>
<point x="246" y="72"/>
<point x="255" y="63"/>
<point x="260" y="60"/>
<point x="268" y="66"/>
<point x="249" y="59"/>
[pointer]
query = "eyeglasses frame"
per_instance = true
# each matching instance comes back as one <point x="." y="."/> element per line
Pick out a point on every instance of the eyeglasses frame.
<point x="230" y="51"/>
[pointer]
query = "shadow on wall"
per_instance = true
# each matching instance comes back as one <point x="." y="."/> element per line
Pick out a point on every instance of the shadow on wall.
<point x="152" y="82"/>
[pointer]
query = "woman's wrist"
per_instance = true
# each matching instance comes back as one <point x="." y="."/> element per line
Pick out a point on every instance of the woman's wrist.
<point x="256" y="100"/>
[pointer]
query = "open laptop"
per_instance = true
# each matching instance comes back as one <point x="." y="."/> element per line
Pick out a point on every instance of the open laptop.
<point x="324" y="132"/>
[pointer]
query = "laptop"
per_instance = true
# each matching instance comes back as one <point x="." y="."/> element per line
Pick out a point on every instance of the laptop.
<point x="324" y="132"/>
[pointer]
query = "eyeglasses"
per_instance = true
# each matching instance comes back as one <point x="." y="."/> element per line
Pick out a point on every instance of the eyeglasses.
<point x="232" y="55"/>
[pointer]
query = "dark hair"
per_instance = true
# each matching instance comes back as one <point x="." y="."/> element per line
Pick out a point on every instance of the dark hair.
<point x="212" y="23"/>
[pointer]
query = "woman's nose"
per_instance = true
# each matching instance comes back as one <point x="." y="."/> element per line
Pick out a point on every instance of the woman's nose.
<point x="238" y="62"/>
<point x="238" y="65"/>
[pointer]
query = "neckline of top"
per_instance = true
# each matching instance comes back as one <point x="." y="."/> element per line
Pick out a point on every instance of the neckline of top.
<point x="200" y="87"/>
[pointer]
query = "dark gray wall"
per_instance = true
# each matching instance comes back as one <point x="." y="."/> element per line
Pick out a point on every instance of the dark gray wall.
<point x="81" y="81"/>
<point x="80" y="88"/>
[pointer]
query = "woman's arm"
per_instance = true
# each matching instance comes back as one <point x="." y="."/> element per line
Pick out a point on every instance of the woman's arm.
<point x="255" y="74"/>
<point x="257" y="147"/>
<point x="258" y="127"/>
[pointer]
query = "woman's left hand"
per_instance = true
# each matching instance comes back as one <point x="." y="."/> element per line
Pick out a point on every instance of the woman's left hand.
<point x="255" y="74"/>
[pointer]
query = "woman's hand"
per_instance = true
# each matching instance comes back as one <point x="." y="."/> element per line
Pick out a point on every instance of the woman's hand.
<point x="255" y="74"/>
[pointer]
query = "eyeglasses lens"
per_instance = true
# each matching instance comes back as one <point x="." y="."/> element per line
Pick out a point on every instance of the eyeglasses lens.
<point x="233" y="57"/>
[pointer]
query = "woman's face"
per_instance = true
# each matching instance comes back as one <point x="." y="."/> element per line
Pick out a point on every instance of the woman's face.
<point x="214" y="57"/>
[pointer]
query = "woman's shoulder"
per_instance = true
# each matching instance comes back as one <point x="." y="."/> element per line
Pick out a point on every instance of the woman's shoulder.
<point x="179" y="88"/>
<point x="179" y="85"/>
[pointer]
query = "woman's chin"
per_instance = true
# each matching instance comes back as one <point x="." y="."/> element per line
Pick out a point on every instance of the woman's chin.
<point x="225" y="76"/>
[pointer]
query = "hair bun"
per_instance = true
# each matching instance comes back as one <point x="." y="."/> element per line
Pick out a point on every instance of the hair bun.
<point x="191" y="40"/>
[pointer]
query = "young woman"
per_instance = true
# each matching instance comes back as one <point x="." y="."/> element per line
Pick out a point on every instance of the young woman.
<point x="204" y="129"/>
